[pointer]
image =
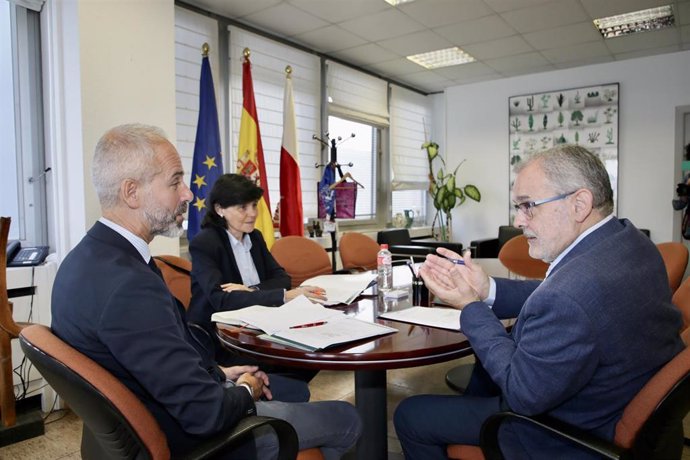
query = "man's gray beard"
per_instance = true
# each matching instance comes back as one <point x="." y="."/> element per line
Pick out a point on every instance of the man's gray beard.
<point x="160" y="222"/>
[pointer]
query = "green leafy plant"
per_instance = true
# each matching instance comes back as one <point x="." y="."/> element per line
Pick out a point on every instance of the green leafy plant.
<point x="445" y="190"/>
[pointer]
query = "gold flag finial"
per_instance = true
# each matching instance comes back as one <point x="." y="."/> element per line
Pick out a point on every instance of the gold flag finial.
<point x="204" y="50"/>
<point x="246" y="53"/>
<point x="288" y="71"/>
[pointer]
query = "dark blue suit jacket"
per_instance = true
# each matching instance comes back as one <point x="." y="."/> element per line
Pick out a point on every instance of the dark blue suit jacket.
<point x="111" y="306"/>
<point x="213" y="264"/>
<point x="586" y="339"/>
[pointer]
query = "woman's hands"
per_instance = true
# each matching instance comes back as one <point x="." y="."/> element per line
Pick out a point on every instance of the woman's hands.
<point x="252" y="376"/>
<point x="229" y="287"/>
<point x="311" y="292"/>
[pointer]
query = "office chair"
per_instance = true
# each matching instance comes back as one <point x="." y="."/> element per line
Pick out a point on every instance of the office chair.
<point x="514" y="255"/>
<point x="177" y="274"/>
<point x="402" y="246"/>
<point x="301" y="258"/>
<point x="651" y="426"/>
<point x="675" y="257"/>
<point x="117" y="425"/>
<point x="358" y="252"/>
<point x="486" y="248"/>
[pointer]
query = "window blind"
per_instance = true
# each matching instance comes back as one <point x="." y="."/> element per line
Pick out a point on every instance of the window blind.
<point x="269" y="59"/>
<point x="355" y="95"/>
<point x="410" y="124"/>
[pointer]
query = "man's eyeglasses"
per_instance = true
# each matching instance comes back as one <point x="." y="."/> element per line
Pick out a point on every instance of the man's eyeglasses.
<point x="527" y="206"/>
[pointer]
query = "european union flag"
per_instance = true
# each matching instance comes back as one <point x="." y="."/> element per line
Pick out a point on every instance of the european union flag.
<point x="207" y="164"/>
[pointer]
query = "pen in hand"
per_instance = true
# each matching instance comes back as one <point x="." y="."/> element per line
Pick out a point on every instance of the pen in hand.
<point x="319" y="323"/>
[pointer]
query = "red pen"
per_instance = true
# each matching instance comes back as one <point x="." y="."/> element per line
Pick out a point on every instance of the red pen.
<point x="320" y="323"/>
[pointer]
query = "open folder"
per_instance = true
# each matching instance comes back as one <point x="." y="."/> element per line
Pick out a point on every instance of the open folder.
<point x="341" y="288"/>
<point x="444" y="318"/>
<point x="303" y="324"/>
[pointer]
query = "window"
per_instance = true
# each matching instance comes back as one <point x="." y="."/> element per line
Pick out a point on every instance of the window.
<point x="362" y="151"/>
<point x="410" y="200"/>
<point x="22" y="176"/>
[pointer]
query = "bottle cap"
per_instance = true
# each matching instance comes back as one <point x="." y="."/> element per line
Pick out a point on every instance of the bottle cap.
<point x="384" y="246"/>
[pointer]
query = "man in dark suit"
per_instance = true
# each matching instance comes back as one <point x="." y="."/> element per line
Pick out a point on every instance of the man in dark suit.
<point x="586" y="339"/>
<point x="111" y="304"/>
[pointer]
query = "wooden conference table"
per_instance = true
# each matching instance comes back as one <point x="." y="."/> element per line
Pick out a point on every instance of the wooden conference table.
<point x="411" y="346"/>
<point x="370" y="358"/>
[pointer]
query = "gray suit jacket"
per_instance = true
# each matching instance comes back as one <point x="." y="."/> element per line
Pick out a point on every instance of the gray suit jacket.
<point x="586" y="339"/>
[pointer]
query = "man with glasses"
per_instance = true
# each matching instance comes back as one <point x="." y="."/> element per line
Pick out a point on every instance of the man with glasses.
<point x="586" y="339"/>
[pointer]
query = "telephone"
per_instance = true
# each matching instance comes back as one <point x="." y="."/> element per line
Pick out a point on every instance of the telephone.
<point x="24" y="257"/>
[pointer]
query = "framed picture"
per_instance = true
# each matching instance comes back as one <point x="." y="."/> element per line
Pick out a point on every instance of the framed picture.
<point x="586" y="116"/>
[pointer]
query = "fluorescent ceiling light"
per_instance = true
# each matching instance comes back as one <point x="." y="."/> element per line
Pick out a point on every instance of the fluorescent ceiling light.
<point x="398" y="2"/>
<point x="441" y="58"/>
<point x="636" y="21"/>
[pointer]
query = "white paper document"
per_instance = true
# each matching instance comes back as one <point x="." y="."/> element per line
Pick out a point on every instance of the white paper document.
<point x="335" y="331"/>
<point x="341" y="288"/>
<point x="298" y="311"/>
<point x="444" y="318"/>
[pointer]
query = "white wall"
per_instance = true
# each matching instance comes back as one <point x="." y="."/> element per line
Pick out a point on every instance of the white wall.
<point x="649" y="167"/>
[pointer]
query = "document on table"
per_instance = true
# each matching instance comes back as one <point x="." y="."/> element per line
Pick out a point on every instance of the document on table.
<point x="341" y="288"/>
<point x="298" y="311"/>
<point x="335" y="331"/>
<point x="444" y="318"/>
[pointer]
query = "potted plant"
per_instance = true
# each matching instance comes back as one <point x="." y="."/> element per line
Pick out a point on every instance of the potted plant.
<point x="446" y="192"/>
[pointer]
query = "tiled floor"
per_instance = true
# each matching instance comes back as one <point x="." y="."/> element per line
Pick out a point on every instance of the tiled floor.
<point x="63" y="435"/>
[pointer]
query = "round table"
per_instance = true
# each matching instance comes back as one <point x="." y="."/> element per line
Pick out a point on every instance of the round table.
<point x="411" y="346"/>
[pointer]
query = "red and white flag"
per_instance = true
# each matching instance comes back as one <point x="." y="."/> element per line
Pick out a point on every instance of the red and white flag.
<point x="291" y="214"/>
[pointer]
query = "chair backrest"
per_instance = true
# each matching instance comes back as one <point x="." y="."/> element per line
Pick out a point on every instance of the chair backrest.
<point x="507" y="233"/>
<point x="653" y="420"/>
<point x="395" y="237"/>
<point x="177" y="273"/>
<point x="301" y="258"/>
<point x="675" y="257"/>
<point x="121" y="425"/>
<point x="681" y="299"/>
<point x="358" y="251"/>
<point x="514" y="255"/>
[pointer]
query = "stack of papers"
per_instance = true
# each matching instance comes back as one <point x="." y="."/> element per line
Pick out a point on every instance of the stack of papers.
<point x="302" y="324"/>
<point x="341" y="288"/>
<point x="444" y="318"/>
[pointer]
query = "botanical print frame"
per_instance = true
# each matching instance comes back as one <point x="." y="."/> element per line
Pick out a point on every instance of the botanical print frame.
<point x="587" y="116"/>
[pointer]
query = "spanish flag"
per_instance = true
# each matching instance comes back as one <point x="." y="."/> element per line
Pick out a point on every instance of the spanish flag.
<point x="250" y="157"/>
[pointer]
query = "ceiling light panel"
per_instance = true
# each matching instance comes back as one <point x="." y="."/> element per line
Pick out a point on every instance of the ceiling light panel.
<point x="441" y="58"/>
<point x="398" y="2"/>
<point x="636" y="21"/>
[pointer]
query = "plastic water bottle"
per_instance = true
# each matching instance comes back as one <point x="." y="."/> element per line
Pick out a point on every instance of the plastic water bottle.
<point x="384" y="265"/>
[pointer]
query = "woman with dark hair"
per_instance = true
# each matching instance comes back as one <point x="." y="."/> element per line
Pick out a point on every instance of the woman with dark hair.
<point x="231" y="266"/>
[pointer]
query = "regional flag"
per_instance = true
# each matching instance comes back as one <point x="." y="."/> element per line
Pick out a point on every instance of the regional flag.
<point x="207" y="164"/>
<point x="291" y="214"/>
<point x="250" y="155"/>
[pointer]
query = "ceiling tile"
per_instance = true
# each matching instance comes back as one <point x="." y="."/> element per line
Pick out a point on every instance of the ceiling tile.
<point x="644" y="40"/>
<point x="330" y="38"/>
<point x="368" y="54"/>
<point x="683" y="13"/>
<point x="647" y="52"/>
<point x="468" y="80"/>
<point x="380" y="26"/>
<point x="577" y="52"/>
<point x="498" y="48"/>
<point x="501" y="6"/>
<point x="563" y="36"/>
<point x="473" y="69"/>
<point x="273" y="19"/>
<point x="521" y="61"/>
<point x="547" y="16"/>
<point x="396" y="67"/>
<point x="487" y="28"/>
<point x="235" y="8"/>
<point x="601" y="9"/>
<point x="336" y="11"/>
<point x="435" y="13"/>
<point x="588" y="61"/>
<point x="428" y="80"/>
<point x="418" y="42"/>
<point x="526" y="71"/>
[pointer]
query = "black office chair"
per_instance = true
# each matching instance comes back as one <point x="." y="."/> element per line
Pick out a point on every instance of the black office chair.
<point x="487" y="248"/>
<point x="402" y="246"/>
<point x="117" y="425"/>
